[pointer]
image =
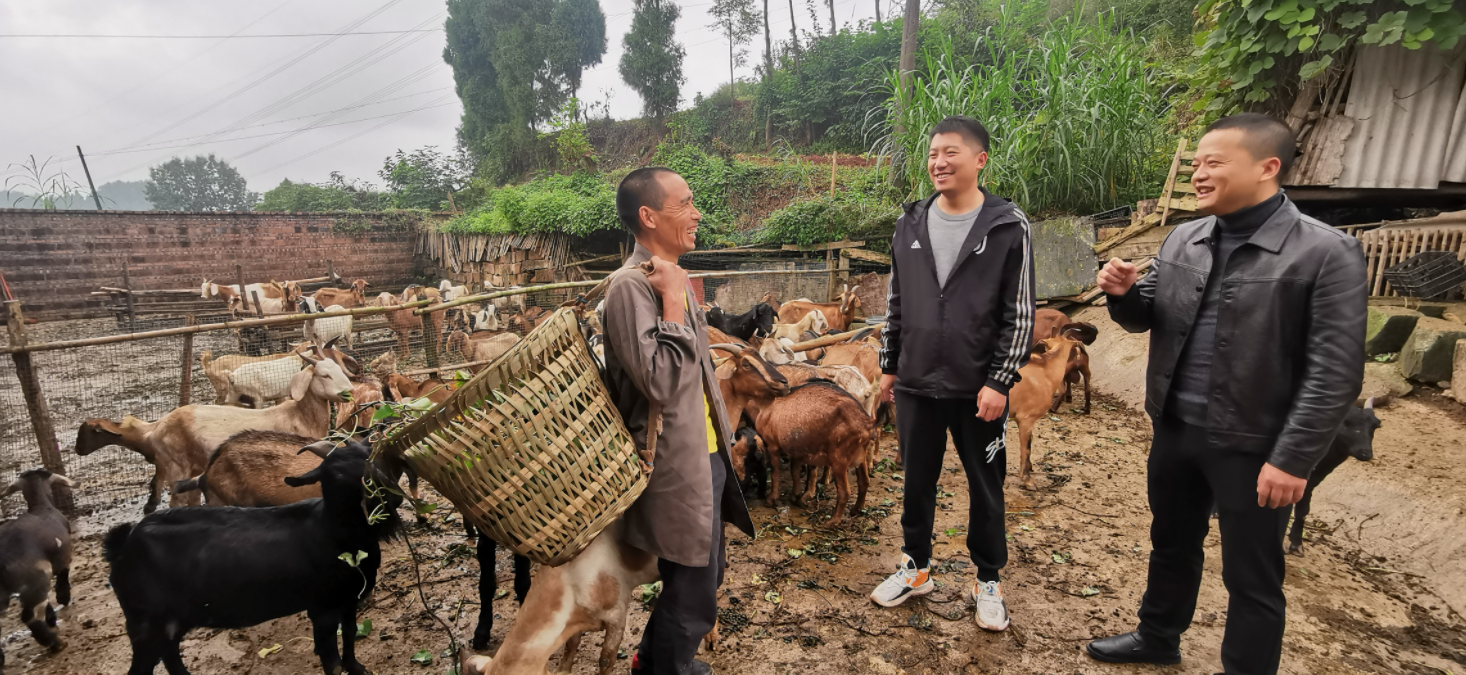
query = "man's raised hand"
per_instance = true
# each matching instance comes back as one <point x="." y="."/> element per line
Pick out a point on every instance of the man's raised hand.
<point x="667" y="278"/>
<point x="1117" y="277"/>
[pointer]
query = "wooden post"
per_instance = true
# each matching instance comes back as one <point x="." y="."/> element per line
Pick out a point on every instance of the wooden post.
<point x="185" y="383"/>
<point x="844" y="266"/>
<point x="331" y="273"/>
<point x="127" y="284"/>
<point x="243" y="295"/>
<point x="830" y="272"/>
<point x="35" y="403"/>
<point x="834" y="162"/>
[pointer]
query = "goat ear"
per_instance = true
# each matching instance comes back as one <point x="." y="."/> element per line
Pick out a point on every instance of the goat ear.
<point x="1038" y="348"/>
<point x="300" y="382"/>
<point x="58" y="479"/>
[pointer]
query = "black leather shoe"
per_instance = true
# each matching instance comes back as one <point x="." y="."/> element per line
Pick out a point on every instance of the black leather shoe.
<point x="699" y="668"/>
<point x="1130" y="648"/>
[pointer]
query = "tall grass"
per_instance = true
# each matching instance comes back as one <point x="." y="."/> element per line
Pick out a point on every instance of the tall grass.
<point x="1074" y="109"/>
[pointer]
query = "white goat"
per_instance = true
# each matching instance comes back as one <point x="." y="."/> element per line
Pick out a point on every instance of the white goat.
<point x="813" y="321"/>
<point x="486" y="319"/>
<point x="321" y="331"/>
<point x="451" y="292"/>
<point x="253" y="385"/>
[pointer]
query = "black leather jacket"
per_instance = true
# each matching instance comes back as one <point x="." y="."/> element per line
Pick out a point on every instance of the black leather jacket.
<point x="1289" y="353"/>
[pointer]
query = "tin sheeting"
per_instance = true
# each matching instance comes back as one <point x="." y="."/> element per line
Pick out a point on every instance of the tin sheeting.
<point x="1408" y="111"/>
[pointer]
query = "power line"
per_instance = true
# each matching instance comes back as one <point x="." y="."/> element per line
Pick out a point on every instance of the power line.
<point x="213" y="37"/>
<point x="352" y="137"/>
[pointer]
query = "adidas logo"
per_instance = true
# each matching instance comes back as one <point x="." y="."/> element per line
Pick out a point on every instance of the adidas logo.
<point x="993" y="447"/>
<point x="915" y="244"/>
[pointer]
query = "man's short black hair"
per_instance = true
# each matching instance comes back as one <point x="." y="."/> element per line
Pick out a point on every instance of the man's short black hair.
<point x="1263" y="136"/>
<point x="639" y="188"/>
<point x="964" y="126"/>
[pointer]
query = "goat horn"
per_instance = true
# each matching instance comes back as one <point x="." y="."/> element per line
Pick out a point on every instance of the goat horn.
<point x="331" y="342"/>
<point x="319" y="448"/>
<point x="736" y="349"/>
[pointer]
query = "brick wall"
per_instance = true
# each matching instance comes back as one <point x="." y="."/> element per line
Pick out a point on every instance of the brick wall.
<point x="53" y="260"/>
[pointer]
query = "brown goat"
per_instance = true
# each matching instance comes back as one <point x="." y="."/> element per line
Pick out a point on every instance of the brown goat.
<point x="403" y="322"/>
<point x="818" y="424"/>
<point x="481" y="346"/>
<point x="1052" y="323"/>
<point x="366" y="392"/>
<point x="862" y="355"/>
<point x="838" y="314"/>
<point x="249" y="469"/>
<point x="747" y="379"/>
<point x="403" y="387"/>
<point x="1077" y="371"/>
<point x="347" y="297"/>
<point x="1031" y="397"/>
<point x="131" y="433"/>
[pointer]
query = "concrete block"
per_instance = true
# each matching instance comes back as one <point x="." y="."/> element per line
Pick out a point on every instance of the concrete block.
<point x="1427" y="356"/>
<point x="1384" y="383"/>
<point x="1388" y="329"/>
<point x="1458" y="372"/>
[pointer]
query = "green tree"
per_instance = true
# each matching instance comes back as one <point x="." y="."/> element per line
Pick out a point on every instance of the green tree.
<point x="198" y="184"/>
<point x="500" y="52"/>
<point x="423" y="178"/>
<point x="579" y="30"/>
<point x="337" y="194"/>
<point x="738" y="21"/>
<point x="651" y="62"/>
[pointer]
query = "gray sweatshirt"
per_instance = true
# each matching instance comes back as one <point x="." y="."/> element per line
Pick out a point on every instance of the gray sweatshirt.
<point x="947" y="233"/>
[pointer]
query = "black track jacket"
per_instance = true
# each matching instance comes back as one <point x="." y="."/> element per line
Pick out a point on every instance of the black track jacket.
<point x="950" y="341"/>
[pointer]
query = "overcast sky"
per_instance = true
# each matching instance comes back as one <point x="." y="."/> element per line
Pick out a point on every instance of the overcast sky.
<point x="297" y="107"/>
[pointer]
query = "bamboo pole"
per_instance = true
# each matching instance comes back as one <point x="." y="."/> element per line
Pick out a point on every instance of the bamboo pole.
<point x="456" y="366"/>
<point x="35" y="403"/>
<point x="584" y="284"/>
<point x="829" y="339"/>
<point x="203" y="328"/>
<point x="185" y="382"/>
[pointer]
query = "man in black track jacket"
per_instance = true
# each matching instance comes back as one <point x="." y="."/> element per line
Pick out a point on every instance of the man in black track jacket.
<point x="960" y="326"/>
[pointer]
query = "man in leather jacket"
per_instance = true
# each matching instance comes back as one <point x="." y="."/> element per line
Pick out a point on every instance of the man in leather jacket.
<point x="1256" y="318"/>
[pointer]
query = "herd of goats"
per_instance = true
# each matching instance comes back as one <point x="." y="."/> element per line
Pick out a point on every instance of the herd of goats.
<point x="259" y="446"/>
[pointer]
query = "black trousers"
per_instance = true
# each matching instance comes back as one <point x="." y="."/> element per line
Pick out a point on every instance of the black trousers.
<point x="688" y="606"/>
<point x="922" y="426"/>
<point x="1185" y="475"/>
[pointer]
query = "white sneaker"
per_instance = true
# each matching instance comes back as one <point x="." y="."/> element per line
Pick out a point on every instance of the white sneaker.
<point x="906" y="582"/>
<point x="992" y="613"/>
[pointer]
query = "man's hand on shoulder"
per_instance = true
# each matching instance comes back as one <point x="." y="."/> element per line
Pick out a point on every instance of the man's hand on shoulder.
<point x="667" y="278"/>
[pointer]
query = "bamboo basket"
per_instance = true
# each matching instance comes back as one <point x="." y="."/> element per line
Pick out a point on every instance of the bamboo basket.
<point x="531" y="450"/>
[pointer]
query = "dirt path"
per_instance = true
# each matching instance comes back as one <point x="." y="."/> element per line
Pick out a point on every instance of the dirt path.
<point x="1078" y="559"/>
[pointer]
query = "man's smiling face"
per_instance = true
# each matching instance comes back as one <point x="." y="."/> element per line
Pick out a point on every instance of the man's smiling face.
<point x="675" y="225"/>
<point x="953" y="161"/>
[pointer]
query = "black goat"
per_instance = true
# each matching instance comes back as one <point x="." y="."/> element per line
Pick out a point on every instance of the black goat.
<point x="41" y="534"/>
<point x="488" y="584"/>
<point x="757" y="321"/>
<point x="1355" y="439"/>
<point x="747" y="453"/>
<point x="226" y="567"/>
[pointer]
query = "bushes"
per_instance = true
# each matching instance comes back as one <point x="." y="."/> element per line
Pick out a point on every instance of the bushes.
<point x="847" y="214"/>
<point x="578" y="204"/>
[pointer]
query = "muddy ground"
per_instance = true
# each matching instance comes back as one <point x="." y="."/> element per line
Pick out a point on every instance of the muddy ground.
<point x="795" y="597"/>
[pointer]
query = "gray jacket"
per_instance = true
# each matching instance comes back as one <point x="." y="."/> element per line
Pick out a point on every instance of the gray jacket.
<point x="1289" y="351"/>
<point x="649" y="359"/>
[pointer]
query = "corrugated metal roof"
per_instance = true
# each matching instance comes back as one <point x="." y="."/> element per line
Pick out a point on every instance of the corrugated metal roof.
<point x="1409" y="117"/>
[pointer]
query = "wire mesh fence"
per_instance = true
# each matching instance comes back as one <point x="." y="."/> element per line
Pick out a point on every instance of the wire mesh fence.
<point x="146" y="376"/>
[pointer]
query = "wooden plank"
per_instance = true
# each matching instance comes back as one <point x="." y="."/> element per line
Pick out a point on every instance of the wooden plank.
<point x="862" y="254"/>
<point x="1186" y="203"/>
<point x="1170" y="185"/>
<point x="824" y="247"/>
<point x="1130" y="233"/>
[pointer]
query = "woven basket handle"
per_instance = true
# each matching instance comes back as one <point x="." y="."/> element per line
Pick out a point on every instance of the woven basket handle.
<point x="654" y="415"/>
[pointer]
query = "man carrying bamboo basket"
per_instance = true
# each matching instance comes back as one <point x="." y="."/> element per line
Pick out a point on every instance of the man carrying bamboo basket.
<point x="657" y="359"/>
